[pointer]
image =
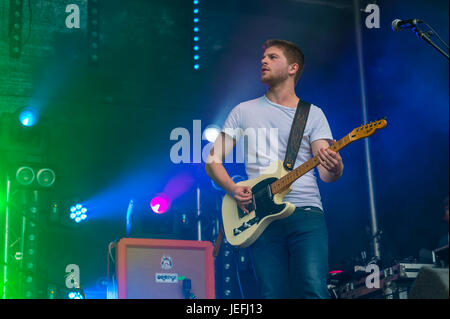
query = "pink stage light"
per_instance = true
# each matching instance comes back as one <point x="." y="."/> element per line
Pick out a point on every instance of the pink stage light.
<point x="160" y="203"/>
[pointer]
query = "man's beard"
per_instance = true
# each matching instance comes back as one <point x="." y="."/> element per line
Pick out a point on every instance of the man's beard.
<point x="273" y="80"/>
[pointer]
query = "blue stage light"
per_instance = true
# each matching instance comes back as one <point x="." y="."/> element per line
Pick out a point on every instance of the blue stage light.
<point x="78" y="213"/>
<point x="75" y="295"/>
<point x="196" y="37"/>
<point x="28" y="116"/>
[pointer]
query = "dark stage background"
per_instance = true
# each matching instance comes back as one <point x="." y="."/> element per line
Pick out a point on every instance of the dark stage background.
<point x="110" y="123"/>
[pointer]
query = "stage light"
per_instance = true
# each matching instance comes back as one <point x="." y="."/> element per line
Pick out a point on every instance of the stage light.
<point x="75" y="295"/>
<point x="196" y="37"/>
<point x="25" y="175"/>
<point x="93" y="23"/>
<point x="15" y="28"/>
<point x="45" y="177"/>
<point x="78" y="213"/>
<point x="160" y="203"/>
<point x="28" y="116"/>
<point x="211" y="132"/>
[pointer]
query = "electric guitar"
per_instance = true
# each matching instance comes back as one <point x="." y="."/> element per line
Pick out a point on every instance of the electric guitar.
<point x="268" y="190"/>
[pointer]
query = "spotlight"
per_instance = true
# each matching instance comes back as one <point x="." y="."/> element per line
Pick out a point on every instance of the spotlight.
<point x="74" y="294"/>
<point x="196" y="46"/>
<point x="160" y="203"/>
<point x="15" y="28"/>
<point x="45" y="177"/>
<point x="33" y="175"/>
<point x="28" y="116"/>
<point x="25" y="175"/>
<point x="211" y="132"/>
<point x="78" y="213"/>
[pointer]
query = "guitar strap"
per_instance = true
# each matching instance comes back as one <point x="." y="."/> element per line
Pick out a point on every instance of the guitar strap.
<point x="296" y="134"/>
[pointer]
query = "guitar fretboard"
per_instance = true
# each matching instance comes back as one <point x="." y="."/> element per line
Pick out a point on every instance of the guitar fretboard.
<point x="284" y="182"/>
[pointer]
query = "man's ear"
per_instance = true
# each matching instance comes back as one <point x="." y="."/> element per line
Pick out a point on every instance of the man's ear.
<point x="293" y="68"/>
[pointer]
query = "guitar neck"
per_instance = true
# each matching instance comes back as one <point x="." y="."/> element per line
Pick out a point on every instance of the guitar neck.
<point x="284" y="182"/>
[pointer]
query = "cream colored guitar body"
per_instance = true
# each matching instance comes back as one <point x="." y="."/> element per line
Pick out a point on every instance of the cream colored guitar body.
<point x="232" y="219"/>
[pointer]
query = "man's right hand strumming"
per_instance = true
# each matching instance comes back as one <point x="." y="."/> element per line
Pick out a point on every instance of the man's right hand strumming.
<point x="243" y="196"/>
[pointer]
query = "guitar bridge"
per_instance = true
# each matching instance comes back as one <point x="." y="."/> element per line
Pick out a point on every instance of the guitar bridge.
<point x="245" y="226"/>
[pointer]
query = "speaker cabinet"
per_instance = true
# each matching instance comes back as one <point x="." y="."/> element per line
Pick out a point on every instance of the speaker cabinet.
<point x="431" y="283"/>
<point x="164" y="269"/>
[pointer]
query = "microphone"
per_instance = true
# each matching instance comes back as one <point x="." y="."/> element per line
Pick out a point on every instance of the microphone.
<point x="398" y="24"/>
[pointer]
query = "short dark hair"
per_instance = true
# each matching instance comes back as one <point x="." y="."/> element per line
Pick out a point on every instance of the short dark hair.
<point x="292" y="52"/>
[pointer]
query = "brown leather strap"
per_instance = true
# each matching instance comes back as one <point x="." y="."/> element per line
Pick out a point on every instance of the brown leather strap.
<point x="296" y="134"/>
<point x="218" y="243"/>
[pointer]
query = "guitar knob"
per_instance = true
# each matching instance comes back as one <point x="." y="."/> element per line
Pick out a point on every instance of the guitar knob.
<point x="247" y="225"/>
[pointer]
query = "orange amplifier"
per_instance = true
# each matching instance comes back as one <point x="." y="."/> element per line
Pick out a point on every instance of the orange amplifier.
<point x="164" y="269"/>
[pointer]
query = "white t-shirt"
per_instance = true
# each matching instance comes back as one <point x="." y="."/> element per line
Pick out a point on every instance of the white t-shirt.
<point x="266" y="126"/>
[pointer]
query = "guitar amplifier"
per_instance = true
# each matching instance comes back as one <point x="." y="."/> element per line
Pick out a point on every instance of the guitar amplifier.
<point x="164" y="269"/>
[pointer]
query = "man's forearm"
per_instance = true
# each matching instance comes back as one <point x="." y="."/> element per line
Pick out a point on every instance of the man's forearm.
<point x="219" y="174"/>
<point x="329" y="177"/>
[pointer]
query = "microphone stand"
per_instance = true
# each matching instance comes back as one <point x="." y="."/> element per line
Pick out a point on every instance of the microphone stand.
<point x="426" y="37"/>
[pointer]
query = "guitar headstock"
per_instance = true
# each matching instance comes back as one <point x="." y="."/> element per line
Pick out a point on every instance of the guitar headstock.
<point x="367" y="129"/>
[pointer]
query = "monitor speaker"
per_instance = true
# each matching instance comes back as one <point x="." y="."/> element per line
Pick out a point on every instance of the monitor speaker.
<point x="431" y="283"/>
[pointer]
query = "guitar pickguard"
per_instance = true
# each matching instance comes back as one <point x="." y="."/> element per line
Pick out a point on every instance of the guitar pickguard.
<point x="262" y="204"/>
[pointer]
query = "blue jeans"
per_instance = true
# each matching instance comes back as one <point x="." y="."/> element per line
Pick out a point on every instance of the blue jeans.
<point x="291" y="256"/>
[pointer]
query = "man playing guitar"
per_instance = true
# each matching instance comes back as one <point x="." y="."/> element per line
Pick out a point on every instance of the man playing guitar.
<point x="291" y="255"/>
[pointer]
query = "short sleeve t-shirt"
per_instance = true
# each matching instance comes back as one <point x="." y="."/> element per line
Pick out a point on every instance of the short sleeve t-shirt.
<point x="265" y="127"/>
